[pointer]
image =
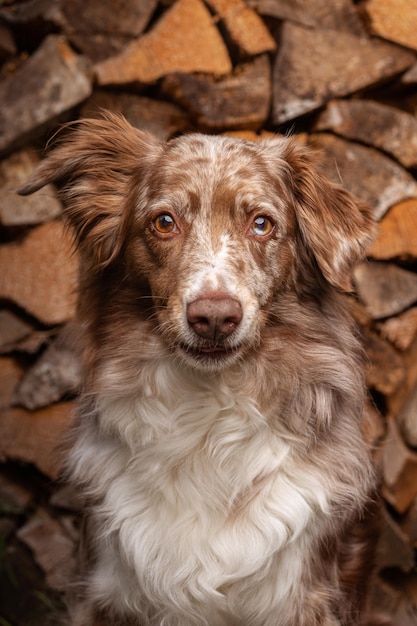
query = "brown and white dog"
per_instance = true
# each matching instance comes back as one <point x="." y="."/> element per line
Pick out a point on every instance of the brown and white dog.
<point x="219" y="436"/>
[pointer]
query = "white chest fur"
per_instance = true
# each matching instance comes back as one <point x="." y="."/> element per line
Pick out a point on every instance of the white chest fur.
<point x="201" y="502"/>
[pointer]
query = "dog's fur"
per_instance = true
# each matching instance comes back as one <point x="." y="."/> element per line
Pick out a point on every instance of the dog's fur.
<point x="219" y="437"/>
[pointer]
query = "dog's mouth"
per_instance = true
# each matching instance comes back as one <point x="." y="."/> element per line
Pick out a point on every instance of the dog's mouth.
<point x="210" y="355"/>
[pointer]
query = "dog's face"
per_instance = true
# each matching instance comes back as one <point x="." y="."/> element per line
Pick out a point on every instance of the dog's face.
<point x="213" y="231"/>
<point x="207" y="232"/>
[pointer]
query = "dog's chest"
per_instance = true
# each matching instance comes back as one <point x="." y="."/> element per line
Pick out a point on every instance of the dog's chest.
<point x="197" y="441"/>
<point x="198" y="448"/>
<point x="203" y="494"/>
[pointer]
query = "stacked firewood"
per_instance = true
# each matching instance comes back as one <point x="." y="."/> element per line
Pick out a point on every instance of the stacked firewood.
<point x="342" y="77"/>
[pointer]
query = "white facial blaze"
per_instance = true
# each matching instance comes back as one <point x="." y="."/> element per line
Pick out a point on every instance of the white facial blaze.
<point x="215" y="273"/>
<point x="215" y="264"/>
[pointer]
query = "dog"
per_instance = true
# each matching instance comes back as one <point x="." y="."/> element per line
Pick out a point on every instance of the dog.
<point x="219" y="442"/>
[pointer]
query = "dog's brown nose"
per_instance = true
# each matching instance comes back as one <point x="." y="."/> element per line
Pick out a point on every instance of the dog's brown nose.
<point x="214" y="318"/>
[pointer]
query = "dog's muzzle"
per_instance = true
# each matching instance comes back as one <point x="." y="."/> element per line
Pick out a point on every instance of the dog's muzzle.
<point x="213" y="321"/>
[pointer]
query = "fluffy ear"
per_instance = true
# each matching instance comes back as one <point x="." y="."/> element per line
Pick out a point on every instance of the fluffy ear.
<point x="94" y="168"/>
<point x="336" y="227"/>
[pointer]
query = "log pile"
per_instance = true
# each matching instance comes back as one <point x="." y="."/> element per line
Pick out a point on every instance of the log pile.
<point x="342" y="76"/>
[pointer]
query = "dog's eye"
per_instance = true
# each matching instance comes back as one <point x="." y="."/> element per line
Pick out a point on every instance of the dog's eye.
<point x="164" y="224"/>
<point x="261" y="226"/>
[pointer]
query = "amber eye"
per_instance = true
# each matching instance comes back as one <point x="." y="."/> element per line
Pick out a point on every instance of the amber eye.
<point x="261" y="226"/>
<point x="164" y="224"/>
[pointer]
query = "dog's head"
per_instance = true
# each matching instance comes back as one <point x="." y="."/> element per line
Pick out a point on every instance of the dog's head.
<point x="203" y="234"/>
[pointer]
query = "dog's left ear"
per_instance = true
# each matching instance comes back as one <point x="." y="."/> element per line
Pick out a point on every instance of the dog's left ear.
<point x="94" y="168"/>
<point x="336" y="227"/>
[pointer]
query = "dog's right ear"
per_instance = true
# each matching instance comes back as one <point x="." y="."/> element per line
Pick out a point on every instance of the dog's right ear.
<point x="94" y="169"/>
<point x="336" y="228"/>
